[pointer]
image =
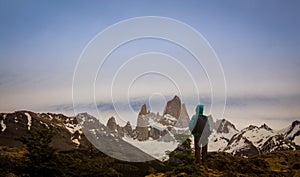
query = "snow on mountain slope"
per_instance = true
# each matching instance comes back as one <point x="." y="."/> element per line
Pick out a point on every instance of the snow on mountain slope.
<point x="292" y="132"/>
<point x="20" y="123"/>
<point x="217" y="142"/>
<point x="155" y="148"/>
<point x="258" y="136"/>
<point x="109" y="142"/>
<point x="222" y="132"/>
<point x="241" y="146"/>
<point x="255" y="140"/>
<point x="278" y="143"/>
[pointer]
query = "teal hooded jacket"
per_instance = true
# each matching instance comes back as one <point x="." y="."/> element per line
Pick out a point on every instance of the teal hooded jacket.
<point x="199" y="111"/>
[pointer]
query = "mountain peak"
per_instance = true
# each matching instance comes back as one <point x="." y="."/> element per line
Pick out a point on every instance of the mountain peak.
<point x="173" y="107"/>
<point x="224" y="126"/>
<point x="143" y="110"/>
<point x="176" y="97"/>
<point x="296" y="122"/>
<point x="112" y="124"/>
<point x="265" y="126"/>
<point x="250" y="127"/>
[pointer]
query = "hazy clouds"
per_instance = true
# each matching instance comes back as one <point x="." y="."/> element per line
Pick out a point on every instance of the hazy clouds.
<point x="257" y="44"/>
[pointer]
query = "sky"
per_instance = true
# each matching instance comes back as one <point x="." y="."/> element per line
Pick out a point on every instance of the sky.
<point x="256" y="42"/>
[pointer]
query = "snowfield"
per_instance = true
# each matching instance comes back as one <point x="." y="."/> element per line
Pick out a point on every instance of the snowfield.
<point x="155" y="148"/>
<point x="28" y="120"/>
<point x="218" y="141"/>
<point x="258" y="136"/>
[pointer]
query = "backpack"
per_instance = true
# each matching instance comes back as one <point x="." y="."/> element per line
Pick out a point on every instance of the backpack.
<point x="201" y="125"/>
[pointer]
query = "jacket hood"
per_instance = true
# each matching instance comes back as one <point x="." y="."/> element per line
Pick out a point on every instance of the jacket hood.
<point x="199" y="109"/>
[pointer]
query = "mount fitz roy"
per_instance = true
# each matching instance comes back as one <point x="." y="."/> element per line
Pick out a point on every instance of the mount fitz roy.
<point x="128" y="143"/>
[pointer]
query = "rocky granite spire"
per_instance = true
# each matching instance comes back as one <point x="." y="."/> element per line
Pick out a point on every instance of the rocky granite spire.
<point x="128" y="129"/>
<point x="112" y="124"/>
<point x="173" y="107"/>
<point x="143" y="110"/>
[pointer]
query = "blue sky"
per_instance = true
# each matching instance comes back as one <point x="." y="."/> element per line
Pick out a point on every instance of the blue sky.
<point x="257" y="42"/>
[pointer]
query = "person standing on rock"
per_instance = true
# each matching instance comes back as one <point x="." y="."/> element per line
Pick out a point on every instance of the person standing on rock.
<point x="200" y="128"/>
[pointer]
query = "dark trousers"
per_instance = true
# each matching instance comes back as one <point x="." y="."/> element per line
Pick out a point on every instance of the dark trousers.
<point x="200" y="153"/>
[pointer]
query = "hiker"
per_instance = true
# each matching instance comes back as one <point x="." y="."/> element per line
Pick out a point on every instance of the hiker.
<point x="200" y="128"/>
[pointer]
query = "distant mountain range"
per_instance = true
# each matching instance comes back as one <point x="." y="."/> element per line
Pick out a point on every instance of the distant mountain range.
<point x="152" y="130"/>
<point x="254" y="140"/>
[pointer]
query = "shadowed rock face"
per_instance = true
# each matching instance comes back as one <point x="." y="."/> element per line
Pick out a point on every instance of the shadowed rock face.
<point x="114" y="127"/>
<point x="294" y="130"/>
<point x="223" y="126"/>
<point x="112" y="124"/>
<point x="142" y="133"/>
<point x="173" y="107"/>
<point x="128" y="129"/>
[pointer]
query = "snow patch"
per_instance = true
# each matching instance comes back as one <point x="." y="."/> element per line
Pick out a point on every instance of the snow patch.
<point x="50" y="117"/>
<point x="28" y="120"/>
<point x="236" y="146"/>
<point x="258" y="136"/>
<point x="93" y="131"/>
<point x="218" y="141"/>
<point x="76" y="142"/>
<point x="73" y="128"/>
<point x="46" y="125"/>
<point x="2" y="125"/>
<point x="297" y="140"/>
<point x="170" y="117"/>
<point x="157" y="125"/>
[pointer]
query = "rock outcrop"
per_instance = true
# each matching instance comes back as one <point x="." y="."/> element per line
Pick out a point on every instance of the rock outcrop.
<point x="127" y="129"/>
<point x="143" y="110"/>
<point x="142" y="124"/>
<point x="173" y="107"/>
<point x="112" y="124"/>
